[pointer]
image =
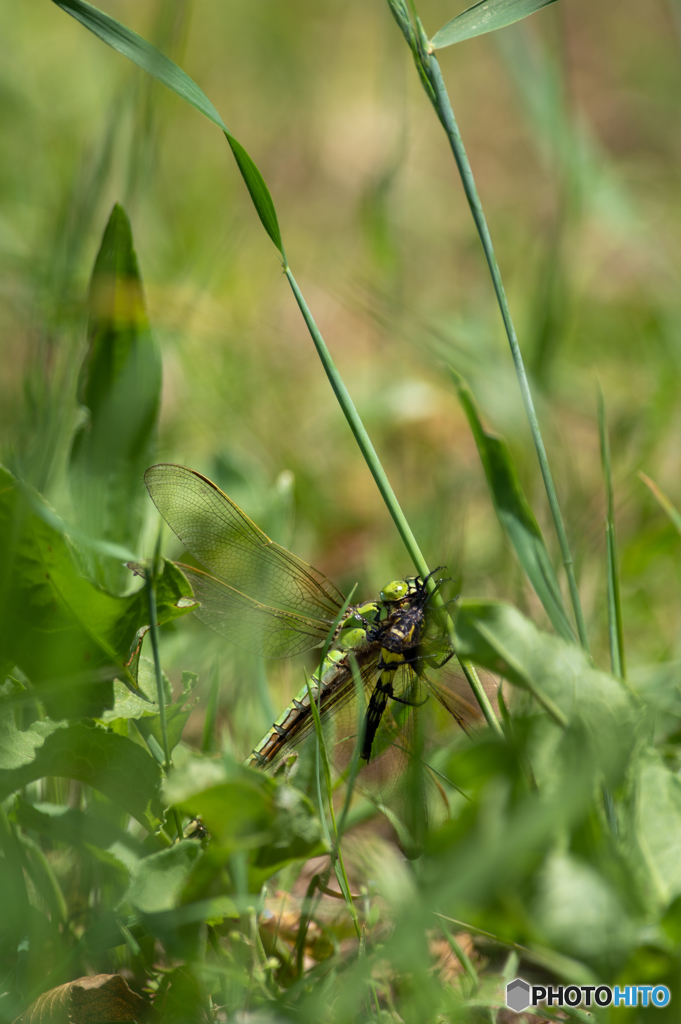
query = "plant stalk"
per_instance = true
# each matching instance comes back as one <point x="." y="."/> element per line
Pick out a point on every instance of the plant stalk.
<point x="160" y="693"/>
<point x="430" y="74"/>
<point x="376" y="469"/>
<point x="443" y="107"/>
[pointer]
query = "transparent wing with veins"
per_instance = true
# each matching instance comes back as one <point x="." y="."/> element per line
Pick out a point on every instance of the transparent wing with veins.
<point x="255" y="593"/>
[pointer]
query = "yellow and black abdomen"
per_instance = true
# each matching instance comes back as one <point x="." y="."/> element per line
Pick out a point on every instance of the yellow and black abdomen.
<point x="388" y="664"/>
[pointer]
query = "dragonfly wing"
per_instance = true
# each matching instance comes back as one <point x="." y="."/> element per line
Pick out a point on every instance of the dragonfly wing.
<point x="398" y="775"/>
<point x="455" y="695"/>
<point x="249" y="624"/>
<point x="220" y="536"/>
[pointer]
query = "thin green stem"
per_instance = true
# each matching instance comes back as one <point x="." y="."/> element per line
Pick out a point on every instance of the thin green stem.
<point x="358" y="429"/>
<point x="336" y="855"/>
<point x="615" y="623"/>
<point x="376" y="469"/>
<point x="443" y="107"/>
<point x="429" y="72"/>
<point x="160" y="693"/>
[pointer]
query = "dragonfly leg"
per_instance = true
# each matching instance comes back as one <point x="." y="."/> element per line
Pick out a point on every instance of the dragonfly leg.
<point x="410" y="703"/>
<point x="441" y="664"/>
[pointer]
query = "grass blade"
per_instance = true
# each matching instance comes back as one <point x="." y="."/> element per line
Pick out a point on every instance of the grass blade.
<point x="142" y="53"/>
<point x="431" y="77"/>
<point x="150" y="59"/>
<point x="120" y="387"/>
<point x="166" y="71"/>
<point x="486" y="16"/>
<point x="615" y="627"/>
<point x="663" y="500"/>
<point x="515" y="514"/>
<point x="259" y="192"/>
<point x="373" y="462"/>
<point x="150" y="580"/>
<point x="336" y="855"/>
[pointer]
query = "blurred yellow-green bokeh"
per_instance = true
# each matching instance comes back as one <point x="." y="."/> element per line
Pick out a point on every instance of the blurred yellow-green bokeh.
<point x="571" y="121"/>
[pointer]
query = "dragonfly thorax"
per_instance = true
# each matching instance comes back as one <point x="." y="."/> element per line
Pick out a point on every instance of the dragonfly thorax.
<point x="352" y="639"/>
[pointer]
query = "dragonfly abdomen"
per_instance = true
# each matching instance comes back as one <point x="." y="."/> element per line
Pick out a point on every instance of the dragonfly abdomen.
<point x="295" y="721"/>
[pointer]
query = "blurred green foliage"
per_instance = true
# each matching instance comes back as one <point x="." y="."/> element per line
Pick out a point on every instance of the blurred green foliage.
<point x="540" y="870"/>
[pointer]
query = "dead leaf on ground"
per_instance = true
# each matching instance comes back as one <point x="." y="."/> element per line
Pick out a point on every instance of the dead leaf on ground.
<point x="90" y="1000"/>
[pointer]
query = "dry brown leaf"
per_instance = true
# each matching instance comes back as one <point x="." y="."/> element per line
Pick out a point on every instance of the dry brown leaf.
<point x="90" y="1000"/>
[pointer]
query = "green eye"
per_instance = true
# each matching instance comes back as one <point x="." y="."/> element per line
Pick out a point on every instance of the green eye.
<point x="395" y="591"/>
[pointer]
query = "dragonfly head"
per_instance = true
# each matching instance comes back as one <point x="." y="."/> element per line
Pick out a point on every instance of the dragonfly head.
<point x="397" y="590"/>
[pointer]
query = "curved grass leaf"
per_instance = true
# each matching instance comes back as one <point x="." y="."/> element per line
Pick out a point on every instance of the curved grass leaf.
<point x="142" y="53"/>
<point x="120" y="387"/>
<point x="515" y="514"/>
<point x="258" y="190"/>
<point x="70" y="637"/>
<point x="245" y="810"/>
<point x="166" y="71"/>
<point x="663" y="500"/>
<point x="486" y="16"/>
<point x="558" y="674"/>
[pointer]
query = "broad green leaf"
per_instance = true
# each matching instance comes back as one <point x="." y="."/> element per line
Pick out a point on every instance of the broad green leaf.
<point x="70" y="637"/>
<point x="183" y="994"/>
<point x="515" y="514"/>
<point x="160" y="879"/>
<point x="143" y="710"/>
<point x="128" y="704"/>
<point x="120" y="390"/>
<point x="112" y="764"/>
<point x="74" y="827"/>
<point x="13" y="890"/>
<point x="147" y="57"/>
<point x="578" y="910"/>
<point x="560" y="675"/>
<point x="177" y="712"/>
<point x="652" y="827"/>
<point x="244" y="809"/>
<point x="486" y="16"/>
<point x="161" y="891"/>
<point x="484" y="862"/>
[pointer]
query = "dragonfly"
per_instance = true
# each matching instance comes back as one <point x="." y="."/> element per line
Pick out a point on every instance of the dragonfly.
<point x="263" y="598"/>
